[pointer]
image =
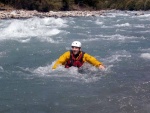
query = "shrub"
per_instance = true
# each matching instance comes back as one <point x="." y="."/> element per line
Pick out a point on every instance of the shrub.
<point x="147" y="5"/>
<point x="46" y="5"/>
<point x="100" y="5"/>
<point x="121" y="6"/>
<point x="139" y="5"/>
<point x="130" y="5"/>
<point x="113" y="6"/>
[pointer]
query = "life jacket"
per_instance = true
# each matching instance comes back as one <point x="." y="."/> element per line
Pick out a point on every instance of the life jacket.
<point x="76" y="62"/>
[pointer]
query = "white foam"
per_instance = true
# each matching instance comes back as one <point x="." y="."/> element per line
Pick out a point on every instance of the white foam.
<point x="47" y="70"/>
<point x="43" y="70"/>
<point x="118" y="56"/>
<point x="145" y="50"/>
<point x="104" y="26"/>
<point x="86" y="74"/>
<point x="146" y="31"/>
<point x="54" y="32"/>
<point x="25" y="40"/>
<point x="98" y="22"/>
<point x="139" y="26"/>
<point x="1" y="69"/>
<point x="91" y="39"/>
<point x="119" y="13"/>
<point x="123" y="25"/>
<point x="3" y="53"/>
<point x="144" y="15"/>
<point x="117" y="37"/>
<point x="16" y="29"/>
<point x="55" y="22"/>
<point x="145" y="56"/>
<point x="23" y="30"/>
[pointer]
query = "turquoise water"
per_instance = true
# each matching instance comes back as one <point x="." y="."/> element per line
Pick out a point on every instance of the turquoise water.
<point x="29" y="48"/>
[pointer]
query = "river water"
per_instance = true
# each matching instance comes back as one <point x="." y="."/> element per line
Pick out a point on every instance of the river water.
<point x="29" y="48"/>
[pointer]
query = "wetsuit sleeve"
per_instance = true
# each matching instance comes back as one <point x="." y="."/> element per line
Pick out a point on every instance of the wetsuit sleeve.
<point x="92" y="60"/>
<point x="62" y="60"/>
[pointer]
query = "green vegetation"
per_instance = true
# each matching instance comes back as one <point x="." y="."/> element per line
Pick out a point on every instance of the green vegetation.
<point x="47" y="5"/>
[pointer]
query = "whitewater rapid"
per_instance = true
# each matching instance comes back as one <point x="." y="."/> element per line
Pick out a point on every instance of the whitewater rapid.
<point x="30" y="47"/>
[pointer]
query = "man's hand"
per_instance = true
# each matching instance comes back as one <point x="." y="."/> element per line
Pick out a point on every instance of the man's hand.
<point x="101" y="67"/>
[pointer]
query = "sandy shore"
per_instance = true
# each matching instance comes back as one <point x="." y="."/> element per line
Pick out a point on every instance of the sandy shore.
<point x="30" y="14"/>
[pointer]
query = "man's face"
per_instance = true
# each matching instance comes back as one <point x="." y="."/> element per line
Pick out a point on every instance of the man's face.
<point x="75" y="50"/>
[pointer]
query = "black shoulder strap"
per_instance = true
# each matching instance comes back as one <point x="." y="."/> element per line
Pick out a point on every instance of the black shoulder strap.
<point x="82" y="55"/>
<point x="71" y="61"/>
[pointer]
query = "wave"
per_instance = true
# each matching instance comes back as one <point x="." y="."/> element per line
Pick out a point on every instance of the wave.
<point x="118" y="56"/>
<point x="145" y="15"/>
<point x="139" y="26"/>
<point x="85" y="74"/>
<point x="3" y="54"/>
<point x="145" y="56"/>
<point x="55" y="22"/>
<point x="120" y="13"/>
<point x="123" y="25"/>
<point x="145" y="31"/>
<point x="145" y="50"/>
<point x="104" y="26"/>
<point x="90" y="39"/>
<point x="117" y="37"/>
<point x="1" y="69"/>
<point x="35" y="27"/>
<point x="98" y="22"/>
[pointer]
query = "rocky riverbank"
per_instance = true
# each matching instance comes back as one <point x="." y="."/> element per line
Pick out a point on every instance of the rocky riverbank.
<point x="30" y="14"/>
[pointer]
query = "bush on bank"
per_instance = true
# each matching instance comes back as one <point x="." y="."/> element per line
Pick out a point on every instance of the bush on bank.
<point x="47" y="5"/>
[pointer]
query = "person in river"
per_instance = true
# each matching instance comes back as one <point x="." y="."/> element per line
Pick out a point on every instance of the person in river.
<point x="76" y="57"/>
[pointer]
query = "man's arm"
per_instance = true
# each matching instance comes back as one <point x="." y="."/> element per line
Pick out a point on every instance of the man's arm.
<point x="92" y="60"/>
<point x="62" y="60"/>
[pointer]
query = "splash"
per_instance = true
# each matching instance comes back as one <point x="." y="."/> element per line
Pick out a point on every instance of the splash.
<point x="85" y="74"/>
